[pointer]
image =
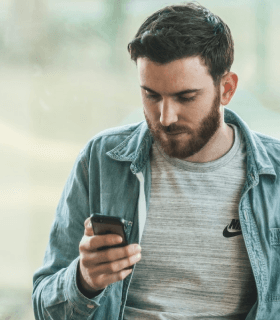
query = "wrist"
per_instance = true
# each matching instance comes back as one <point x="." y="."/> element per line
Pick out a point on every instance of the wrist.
<point x="83" y="286"/>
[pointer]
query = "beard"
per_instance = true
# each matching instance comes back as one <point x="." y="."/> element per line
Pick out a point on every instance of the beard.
<point x="183" y="148"/>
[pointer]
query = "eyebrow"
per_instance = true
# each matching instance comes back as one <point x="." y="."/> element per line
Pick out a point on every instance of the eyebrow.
<point x="176" y="93"/>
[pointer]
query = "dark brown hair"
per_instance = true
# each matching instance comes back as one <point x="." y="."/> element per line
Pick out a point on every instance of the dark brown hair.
<point x="185" y="30"/>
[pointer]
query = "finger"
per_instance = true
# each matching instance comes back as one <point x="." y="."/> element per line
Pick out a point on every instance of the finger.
<point x="106" y="240"/>
<point x="92" y="258"/>
<point x="114" y="254"/>
<point x="93" y="243"/>
<point x="117" y="276"/>
<point x="102" y="281"/>
<point x="88" y="227"/>
<point x="116" y="266"/>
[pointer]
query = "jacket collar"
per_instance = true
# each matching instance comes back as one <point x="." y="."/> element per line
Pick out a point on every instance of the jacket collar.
<point x="258" y="161"/>
<point x="136" y="149"/>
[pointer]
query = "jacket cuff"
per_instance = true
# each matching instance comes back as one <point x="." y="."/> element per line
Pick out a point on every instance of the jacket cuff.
<point x="80" y="302"/>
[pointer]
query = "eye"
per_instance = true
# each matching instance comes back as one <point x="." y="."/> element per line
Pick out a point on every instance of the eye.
<point x="157" y="97"/>
<point x="152" y="96"/>
<point x="182" y="99"/>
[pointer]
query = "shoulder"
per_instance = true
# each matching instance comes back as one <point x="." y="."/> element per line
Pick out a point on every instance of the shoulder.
<point x="110" y="138"/>
<point x="271" y="146"/>
<point x="266" y="140"/>
<point x="118" y="131"/>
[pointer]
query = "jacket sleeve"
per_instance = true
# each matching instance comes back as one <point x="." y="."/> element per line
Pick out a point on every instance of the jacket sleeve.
<point x="55" y="292"/>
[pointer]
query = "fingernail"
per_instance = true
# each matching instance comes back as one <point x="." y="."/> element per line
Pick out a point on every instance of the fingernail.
<point x="89" y="224"/>
<point x="139" y="247"/>
<point x="119" y="239"/>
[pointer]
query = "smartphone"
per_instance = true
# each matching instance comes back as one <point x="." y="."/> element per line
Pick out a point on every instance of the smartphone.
<point x="108" y="224"/>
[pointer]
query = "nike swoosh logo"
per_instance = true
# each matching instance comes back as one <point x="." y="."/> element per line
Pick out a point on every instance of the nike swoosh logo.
<point x="228" y="233"/>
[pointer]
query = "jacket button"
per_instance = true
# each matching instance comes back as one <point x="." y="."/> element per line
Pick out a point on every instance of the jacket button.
<point x="91" y="306"/>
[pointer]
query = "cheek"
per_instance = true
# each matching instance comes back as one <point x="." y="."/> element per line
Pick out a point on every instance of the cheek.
<point x="146" y="102"/>
<point x="151" y="114"/>
<point x="151" y="108"/>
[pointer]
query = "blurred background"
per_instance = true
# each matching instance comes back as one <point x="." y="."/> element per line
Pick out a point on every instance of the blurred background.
<point x="65" y="75"/>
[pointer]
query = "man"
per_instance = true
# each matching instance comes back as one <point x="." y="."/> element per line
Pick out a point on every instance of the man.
<point x="205" y="187"/>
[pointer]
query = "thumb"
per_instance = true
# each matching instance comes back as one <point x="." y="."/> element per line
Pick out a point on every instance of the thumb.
<point x="88" y="227"/>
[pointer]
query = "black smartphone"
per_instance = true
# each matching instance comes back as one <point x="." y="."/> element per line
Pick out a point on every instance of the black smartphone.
<point x="108" y="224"/>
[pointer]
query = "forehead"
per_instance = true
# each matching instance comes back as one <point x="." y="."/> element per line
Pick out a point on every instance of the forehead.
<point x="186" y="73"/>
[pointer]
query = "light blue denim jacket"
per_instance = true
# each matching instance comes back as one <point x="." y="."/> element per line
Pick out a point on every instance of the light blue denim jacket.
<point x="108" y="177"/>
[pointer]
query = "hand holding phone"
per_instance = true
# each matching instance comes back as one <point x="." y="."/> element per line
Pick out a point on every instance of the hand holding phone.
<point x="99" y="268"/>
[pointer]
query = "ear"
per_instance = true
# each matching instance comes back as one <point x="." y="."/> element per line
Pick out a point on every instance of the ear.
<point x="228" y="87"/>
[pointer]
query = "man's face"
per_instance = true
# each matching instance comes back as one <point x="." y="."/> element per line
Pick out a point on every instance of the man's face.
<point x="181" y="104"/>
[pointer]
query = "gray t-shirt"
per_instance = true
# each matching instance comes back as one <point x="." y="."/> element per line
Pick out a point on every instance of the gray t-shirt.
<point x="194" y="262"/>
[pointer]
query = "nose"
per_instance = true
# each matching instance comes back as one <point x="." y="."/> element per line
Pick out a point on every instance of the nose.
<point x="168" y="113"/>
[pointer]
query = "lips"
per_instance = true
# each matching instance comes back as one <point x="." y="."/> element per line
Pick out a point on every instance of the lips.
<point x="174" y="134"/>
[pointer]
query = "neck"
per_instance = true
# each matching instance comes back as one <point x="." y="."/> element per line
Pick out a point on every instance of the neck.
<point x="218" y="145"/>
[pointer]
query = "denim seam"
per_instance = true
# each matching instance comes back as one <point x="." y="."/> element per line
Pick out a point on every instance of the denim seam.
<point x="85" y="169"/>
<point x="144" y="161"/>
<point x="272" y="298"/>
